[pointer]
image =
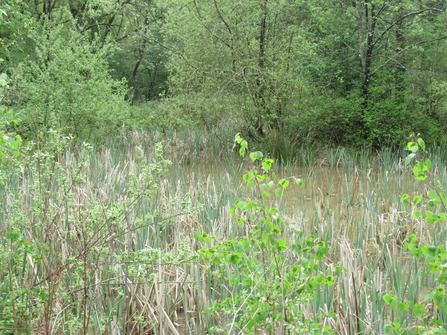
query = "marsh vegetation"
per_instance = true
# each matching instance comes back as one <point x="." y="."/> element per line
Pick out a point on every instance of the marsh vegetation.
<point x="104" y="240"/>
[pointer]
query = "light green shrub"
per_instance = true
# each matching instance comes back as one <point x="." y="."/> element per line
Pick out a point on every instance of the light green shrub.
<point x="66" y="85"/>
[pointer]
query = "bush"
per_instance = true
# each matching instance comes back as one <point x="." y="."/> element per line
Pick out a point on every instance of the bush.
<point x="66" y="85"/>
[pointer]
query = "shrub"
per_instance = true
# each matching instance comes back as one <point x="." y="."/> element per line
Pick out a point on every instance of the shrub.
<point x="66" y="85"/>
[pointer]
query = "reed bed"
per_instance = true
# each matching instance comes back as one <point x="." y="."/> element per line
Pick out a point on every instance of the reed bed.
<point x="104" y="240"/>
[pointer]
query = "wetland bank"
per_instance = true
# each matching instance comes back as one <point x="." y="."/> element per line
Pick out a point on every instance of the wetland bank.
<point x="121" y="235"/>
<point x="105" y="240"/>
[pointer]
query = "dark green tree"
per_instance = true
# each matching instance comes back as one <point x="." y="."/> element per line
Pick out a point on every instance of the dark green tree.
<point x="371" y="51"/>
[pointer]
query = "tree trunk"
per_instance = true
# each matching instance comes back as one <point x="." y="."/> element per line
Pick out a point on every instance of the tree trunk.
<point x="260" y="102"/>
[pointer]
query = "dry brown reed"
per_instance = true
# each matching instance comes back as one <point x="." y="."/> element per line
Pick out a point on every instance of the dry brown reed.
<point x="120" y="253"/>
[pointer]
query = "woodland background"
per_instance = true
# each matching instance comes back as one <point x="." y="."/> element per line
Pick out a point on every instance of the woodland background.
<point x="353" y="73"/>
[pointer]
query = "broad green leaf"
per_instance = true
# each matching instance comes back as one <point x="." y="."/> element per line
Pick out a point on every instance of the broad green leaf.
<point x="330" y="280"/>
<point x="390" y="300"/>
<point x="243" y="148"/>
<point x="284" y="183"/>
<point x="250" y="183"/>
<point x="412" y="146"/>
<point x="390" y="329"/>
<point x="267" y="164"/>
<point x="299" y="181"/>
<point x="433" y="194"/>
<point x="421" y="143"/>
<point x="417" y="214"/>
<point x="278" y="192"/>
<point x="246" y="244"/>
<point x="269" y="185"/>
<point x="412" y="238"/>
<point x="431" y="217"/>
<point x="431" y="204"/>
<point x="422" y="176"/>
<point x="419" y="310"/>
<point x="418" y="171"/>
<point x="403" y="306"/>
<point x="234" y="258"/>
<point x="417" y="199"/>
<point x="282" y="245"/>
<point x="257" y="155"/>
<point x="248" y="176"/>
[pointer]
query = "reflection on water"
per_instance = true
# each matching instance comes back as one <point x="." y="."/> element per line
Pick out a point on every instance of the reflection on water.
<point x="357" y="204"/>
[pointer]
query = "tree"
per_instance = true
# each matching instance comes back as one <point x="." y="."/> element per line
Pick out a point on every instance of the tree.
<point x="249" y="52"/>
<point x="15" y="22"/>
<point x="373" y="48"/>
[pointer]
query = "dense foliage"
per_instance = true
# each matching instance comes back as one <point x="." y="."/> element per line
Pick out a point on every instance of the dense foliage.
<point x="356" y="73"/>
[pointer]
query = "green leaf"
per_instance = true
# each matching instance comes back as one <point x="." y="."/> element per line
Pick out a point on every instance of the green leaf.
<point x="246" y="245"/>
<point x="392" y="327"/>
<point x="412" y="146"/>
<point x="417" y="199"/>
<point x="257" y="155"/>
<point x="419" y="310"/>
<point x="390" y="300"/>
<point x="403" y="306"/>
<point x="248" y="176"/>
<point x="299" y="181"/>
<point x="421" y="143"/>
<point x="418" y="171"/>
<point x="320" y="252"/>
<point x="417" y="214"/>
<point x="284" y="183"/>
<point x="433" y="194"/>
<point x="409" y="158"/>
<point x="431" y="217"/>
<point x="412" y="238"/>
<point x="269" y="185"/>
<point x="330" y="280"/>
<point x="278" y="192"/>
<point x="243" y="148"/>
<point x="267" y="164"/>
<point x="404" y="200"/>
<point x="234" y="258"/>
<point x="282" y="245"/>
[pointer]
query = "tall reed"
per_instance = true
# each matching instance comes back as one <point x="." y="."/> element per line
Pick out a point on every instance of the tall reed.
<point x="101" y="240"/>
